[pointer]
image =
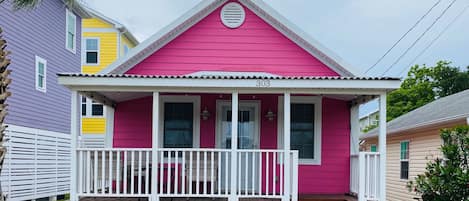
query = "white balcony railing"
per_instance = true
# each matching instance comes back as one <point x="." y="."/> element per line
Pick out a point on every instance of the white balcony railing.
<point x="364" y="176"/>
<point x="185" y="173"/>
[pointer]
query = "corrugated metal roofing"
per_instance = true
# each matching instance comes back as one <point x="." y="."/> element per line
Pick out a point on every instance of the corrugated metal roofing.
<point x="224" y="77"/>
<point x="448" y="108"/>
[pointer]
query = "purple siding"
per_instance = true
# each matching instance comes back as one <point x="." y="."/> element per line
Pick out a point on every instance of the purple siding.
<point x="40" y="32"/>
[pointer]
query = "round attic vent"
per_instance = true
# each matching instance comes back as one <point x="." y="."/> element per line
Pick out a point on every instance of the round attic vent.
<point x="233" y="15"/>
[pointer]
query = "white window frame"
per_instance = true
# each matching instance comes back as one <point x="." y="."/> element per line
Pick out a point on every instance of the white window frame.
<point x="44" y="86"/>
<point x="404" y="160"/>
<point x="89" y="109"/>
<point x="317" y="101"/>
<point x="68" y="14"/>
<point x="85" y="50"/>
<point x="195" y="100"/>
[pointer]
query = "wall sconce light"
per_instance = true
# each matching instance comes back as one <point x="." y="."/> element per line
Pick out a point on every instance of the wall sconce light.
<point x="205" y="114"/>
<point x="270" y="115"/>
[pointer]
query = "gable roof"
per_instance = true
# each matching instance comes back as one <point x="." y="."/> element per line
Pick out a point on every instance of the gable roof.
<point x="117" y="25"/>
<point x="203" y="9"/>
<point x="446" y="109"/>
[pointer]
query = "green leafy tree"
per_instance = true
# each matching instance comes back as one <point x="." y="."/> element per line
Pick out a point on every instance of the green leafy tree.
<point x="425" y="84"/>
<point x="447" y="179"/>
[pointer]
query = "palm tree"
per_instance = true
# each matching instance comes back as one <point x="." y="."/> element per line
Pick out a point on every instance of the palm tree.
<point x="5" y="81"/>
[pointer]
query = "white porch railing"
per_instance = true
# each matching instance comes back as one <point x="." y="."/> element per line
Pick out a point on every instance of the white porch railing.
<point x="185" y="173"/>
<point x="364" y="176"/>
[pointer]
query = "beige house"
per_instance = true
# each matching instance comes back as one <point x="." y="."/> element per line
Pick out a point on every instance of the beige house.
<point x="413" y="139"/>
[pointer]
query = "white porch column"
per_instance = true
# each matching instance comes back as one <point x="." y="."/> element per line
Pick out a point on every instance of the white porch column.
<point x="467" y="120"/>
<point x="286" y="145"/>
<point x="74" y="132"/>
<point x="382" y="146"/>
<point x="154" y="145"/>
<point x="234" y="146"/>
<point x="354" y="130"/>
<point x="109" y="126"/>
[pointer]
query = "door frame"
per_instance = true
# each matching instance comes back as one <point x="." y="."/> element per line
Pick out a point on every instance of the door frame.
<point x="242" y="103"/>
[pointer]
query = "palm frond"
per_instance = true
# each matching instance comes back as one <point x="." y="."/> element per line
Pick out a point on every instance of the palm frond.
<point x="25" y="4"/>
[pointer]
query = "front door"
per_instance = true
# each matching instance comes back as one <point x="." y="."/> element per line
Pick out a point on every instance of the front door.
<point x="248" y="138"/>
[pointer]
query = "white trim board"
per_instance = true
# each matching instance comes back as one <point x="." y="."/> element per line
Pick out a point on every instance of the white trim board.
<point x="199" y="12"/>
<point x="317" y="101"/>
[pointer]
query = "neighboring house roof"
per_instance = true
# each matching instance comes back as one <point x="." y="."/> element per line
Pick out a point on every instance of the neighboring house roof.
<point x="203" y="9"/>
<point x="446" y="109"/>
<point x="116" y="24"/>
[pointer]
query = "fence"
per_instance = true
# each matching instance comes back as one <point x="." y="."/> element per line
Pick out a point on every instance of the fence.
<point x="37" y="164"/>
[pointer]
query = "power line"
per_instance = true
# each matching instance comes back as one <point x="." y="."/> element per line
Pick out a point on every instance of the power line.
<point x="436" y="39"/>
<point x="403" y="36"/>
<point x="420" y="37"/>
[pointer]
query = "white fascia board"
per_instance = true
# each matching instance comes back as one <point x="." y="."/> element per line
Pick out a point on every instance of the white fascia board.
<point x="83" y="82"/>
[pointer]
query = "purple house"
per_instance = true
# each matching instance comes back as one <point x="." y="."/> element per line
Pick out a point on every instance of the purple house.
<point x="43" y="41"/>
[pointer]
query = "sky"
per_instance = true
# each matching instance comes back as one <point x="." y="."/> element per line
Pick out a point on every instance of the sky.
<point x="359" y="31"/>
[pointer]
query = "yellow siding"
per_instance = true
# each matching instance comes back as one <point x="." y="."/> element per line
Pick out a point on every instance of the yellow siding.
<point x="108" y="51"/>
<point x="93" y="125"/>
<point x="95" y="23"/>
<point x="423" y="146"/>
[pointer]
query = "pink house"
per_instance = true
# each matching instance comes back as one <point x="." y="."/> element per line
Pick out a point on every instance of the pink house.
<point x="230" y="101"/>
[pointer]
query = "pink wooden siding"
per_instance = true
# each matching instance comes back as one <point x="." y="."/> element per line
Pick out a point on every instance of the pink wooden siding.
<point x="132" y="128"/>
<point x="254" y="47"/>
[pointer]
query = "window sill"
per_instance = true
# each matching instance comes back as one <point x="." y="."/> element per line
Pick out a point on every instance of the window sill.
<point x="309" y="162"/>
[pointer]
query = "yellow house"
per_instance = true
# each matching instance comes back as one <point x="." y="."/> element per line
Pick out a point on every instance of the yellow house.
<point x="104" y="41"/>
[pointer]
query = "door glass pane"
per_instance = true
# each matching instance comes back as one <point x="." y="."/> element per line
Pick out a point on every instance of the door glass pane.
<point x="246" y="126"/>
<point x="302" y="130"/>
<point x="178" y="125"/>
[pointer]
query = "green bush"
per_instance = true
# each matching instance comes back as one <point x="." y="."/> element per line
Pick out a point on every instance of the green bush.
<point x="446" y="179"/>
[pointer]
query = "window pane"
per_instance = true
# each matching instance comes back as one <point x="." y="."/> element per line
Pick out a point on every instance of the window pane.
<point x="91" y="57"/>
<point x="302" y="130"/>
<point x="178" y="125"/>
<point x="126" y="49"/>
<point x="83" y="109"/>
<point x="70" y="40"/>
<point x="40" y="68"/>
<point x="40" y="81"/>
<point x="92" y="44"/>
<point x="97" y="110"/>
<point x="404" y="150"/>
<point x="71" y="23"/>
<point x="373" y="148"/>
<point x="404" y="169"/>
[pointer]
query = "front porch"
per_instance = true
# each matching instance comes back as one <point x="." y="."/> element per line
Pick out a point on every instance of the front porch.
<point x="241" y="138"/>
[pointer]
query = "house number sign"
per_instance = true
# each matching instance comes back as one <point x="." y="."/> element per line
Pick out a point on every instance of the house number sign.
<point x="263" y="83"/>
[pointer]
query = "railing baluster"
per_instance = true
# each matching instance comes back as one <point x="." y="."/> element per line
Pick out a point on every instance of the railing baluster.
<point x="147" y="172"/>
<point x="267" y="173"/>
<point x="253" y="173"/>
<point x="190" y="172"/>
<point x="88" y="173"/>
<point x="219" y="173"/>
<point x="139" y="171"/>
<point x="161" y="167"/>
<point x="260" y="173"/>
<point x="80" y="172"/>
<point x="238" y="169"/>
<point x="274" y="172"/>
<point x="197" y="187"/>
<point x="96" y="176"/>
<point x="103" y="172"/>
<point x="168" y="188"/>
<point x="118" y="172"/>
<point x="281" y="164"/>
<point x="246" y="173"/>
<point x="125" y="172"/>
<point x="176" y="171"/>
<point x="227" y="172"/>
<point x="110" y="172"/>
<point x="205" y="173"/>
<point x="183" y="171"/>
<point x="132" y="172"/>
<point x="212" y="179"/>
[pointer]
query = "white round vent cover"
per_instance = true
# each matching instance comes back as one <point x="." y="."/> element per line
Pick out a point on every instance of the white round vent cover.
<point x="233" y="15"/>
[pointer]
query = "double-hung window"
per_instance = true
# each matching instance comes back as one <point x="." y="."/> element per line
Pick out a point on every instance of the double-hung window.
<point x="41" y="74"/>
<point x="71" y="31"/>
<point x="404" y="160"/>
<point x="305" y="128"/>
<point x="91" y="51"/>
<point x="178" y="125"/>
<point x="91" y="108"/>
